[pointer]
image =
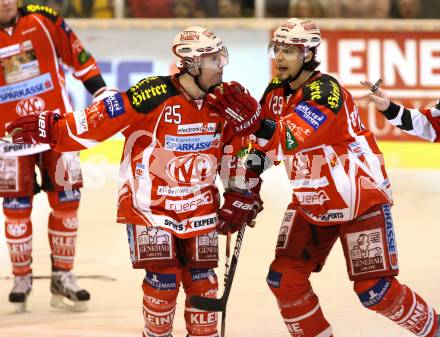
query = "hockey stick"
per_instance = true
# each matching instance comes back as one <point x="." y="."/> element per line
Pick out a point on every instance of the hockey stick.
<point x="219" y="304"/>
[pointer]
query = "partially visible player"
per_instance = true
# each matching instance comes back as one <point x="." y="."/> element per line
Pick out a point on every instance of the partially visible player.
<point x="423" y="123"/>
<point x="34" y="42"/>
<point x="168" y="199"/>
<point x="340" y="191"/>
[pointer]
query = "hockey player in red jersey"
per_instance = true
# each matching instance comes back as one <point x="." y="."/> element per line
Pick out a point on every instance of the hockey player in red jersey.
<point x="175" y="144"/>
<point x="423" y="123"/>
<point x="34" y="41"/>
<point x="340" y="191"/>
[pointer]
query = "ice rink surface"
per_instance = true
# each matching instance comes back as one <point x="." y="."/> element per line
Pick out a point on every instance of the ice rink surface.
<point x="115" y="307"/>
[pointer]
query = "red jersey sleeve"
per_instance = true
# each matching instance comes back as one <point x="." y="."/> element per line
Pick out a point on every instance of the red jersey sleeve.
<point x="82" y="129"/>
<point x="85" y="128"/>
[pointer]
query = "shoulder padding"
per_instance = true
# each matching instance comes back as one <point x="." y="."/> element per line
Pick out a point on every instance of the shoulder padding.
<point x="150" y="92"/>
<point x="48" y="12"/>
<point x="326" y="91"/>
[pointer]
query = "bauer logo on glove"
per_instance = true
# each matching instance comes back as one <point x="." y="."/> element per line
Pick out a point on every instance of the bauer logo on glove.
<point x="237" y="211"/>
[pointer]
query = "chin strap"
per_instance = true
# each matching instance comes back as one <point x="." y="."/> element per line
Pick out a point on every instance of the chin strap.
<point x="10" y="23"/>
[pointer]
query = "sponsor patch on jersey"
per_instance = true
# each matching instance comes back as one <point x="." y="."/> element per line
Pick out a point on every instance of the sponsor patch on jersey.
<point x="153" y="243"/>
<point x="375" y="294"/>
<point x="17" y="203"/>
<point x="391" y="237"/>
<point x="177" y="191"/>
<point x="169" y="223"/>
<point x="16" y="229"/>
<point x="332" y="159"/>
<point x="192" y="169"/>
<point x="207" y="244"/>
<point x="291" y="142"/>
<point x="10" y="50"/>
<point x="66" y="196"/>
<point x="188" y="129"/>
<point x="28" y="88"/>
<point x="312" y="198"/>
<point x="311" y="115"/>
<point x="44" y="10"/>
<point x="329" y="216"/>
<point x="150" y="92"/>
<point x="202" y="274"/>
<point x="181" y="206"/>
<point x="274" y="278"/>
<point x="309" y="183"/>
<point x="71" y="223"/>
<point x="191" y="144"/>
<point x="285" y="228"/>
<point x="81" y="121"/>
<point x="140" y="170"/>
<point x="326" y="91"/>
<point x="161" y="281"/>
<point x="9" y="173"/>
<point x="366" y="251"/>
<point x="356" y="148"/>
<point x="30" y="106"/>
<point x="299" y="129"/>
<point x="114" y="104"/>
<point x="84" y="56"/>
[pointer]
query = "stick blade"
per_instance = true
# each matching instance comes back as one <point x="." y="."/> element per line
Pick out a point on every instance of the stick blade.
<point x="207" y="304"/>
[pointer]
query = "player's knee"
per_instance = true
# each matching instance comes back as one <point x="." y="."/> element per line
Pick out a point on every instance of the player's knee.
<point x="64" y="200"/>
<point x="17" y="209"/>
<point x="65" y="203"/>
<point x="200" y="281"/>
<point x="379" y="294"/>
<point x="285" y="281"/>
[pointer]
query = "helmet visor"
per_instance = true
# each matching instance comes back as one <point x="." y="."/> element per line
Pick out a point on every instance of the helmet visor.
<point x="289" y="51"/>
<point x="215" y="60"/>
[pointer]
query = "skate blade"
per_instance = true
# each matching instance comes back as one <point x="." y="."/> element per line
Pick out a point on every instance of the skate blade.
<point x="20" y="307"/>
<point x="62" y="303"/>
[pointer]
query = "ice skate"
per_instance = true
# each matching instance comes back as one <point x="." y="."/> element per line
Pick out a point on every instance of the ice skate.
<point x="438" y="332"/>
<point x="66" y="294"/>
<point x="20" y="292"/>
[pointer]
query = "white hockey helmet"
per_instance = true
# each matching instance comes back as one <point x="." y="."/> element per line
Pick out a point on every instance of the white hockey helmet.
<point x="191" y="45"/>
<point x="298" y="32"/>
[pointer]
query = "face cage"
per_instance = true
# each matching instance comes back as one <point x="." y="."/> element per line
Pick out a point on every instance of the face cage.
<point x="216" y="60"/>
<point x="287" y="49"/>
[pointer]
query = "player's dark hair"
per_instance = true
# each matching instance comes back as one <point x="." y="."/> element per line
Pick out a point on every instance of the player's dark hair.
<point x="313" y="63"/>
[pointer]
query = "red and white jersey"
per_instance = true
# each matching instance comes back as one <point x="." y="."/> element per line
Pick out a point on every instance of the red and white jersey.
<point x="423" y="123"/>
<point x="173" y="150"/>
<point x="333" y="163"/>
<point x="32" y="52"/>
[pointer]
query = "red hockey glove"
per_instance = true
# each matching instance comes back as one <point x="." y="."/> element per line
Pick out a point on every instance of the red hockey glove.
<point x="236" y="105"/>
<point x="238" y="211"/>
<point x="34" y="129"/>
